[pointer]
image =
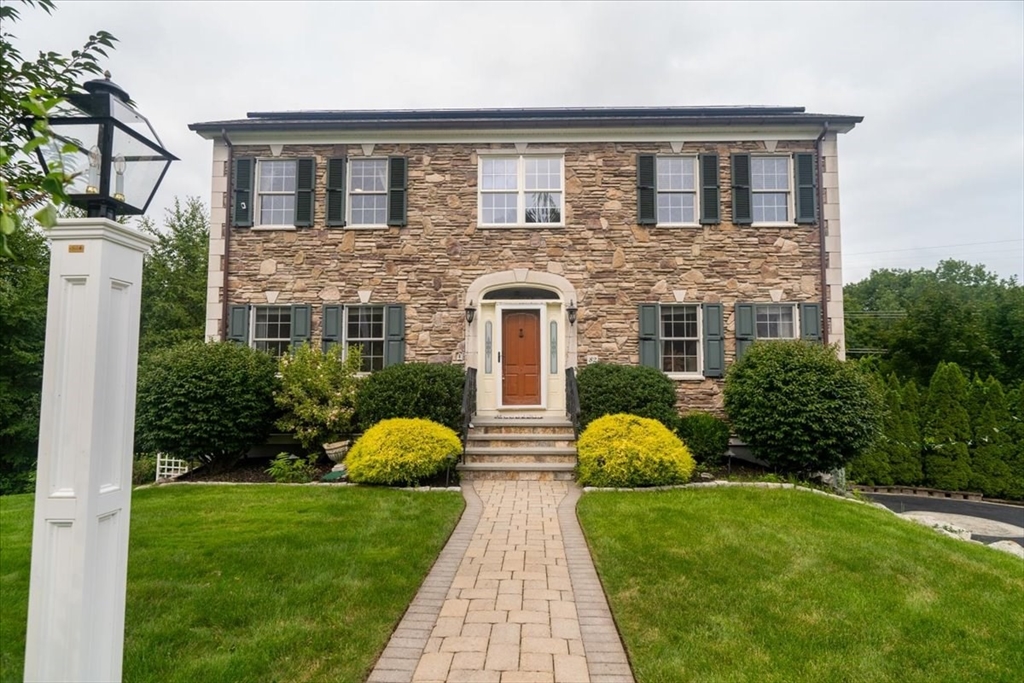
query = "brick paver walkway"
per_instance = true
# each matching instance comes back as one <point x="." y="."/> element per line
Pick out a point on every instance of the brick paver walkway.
<point x="513" y="598"/>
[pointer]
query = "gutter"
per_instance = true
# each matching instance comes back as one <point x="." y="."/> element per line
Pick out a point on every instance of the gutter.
<point x="822" y="253"/>
<point x="229" y="172"/>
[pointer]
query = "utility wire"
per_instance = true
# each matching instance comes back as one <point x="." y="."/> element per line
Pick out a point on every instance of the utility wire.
<point x="944" y="246"/>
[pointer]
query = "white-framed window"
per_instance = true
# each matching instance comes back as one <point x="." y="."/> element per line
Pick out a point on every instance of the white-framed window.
<point x="775" y="321"/>
<point x="677" y="190"/>
<point x="272" y="329"/>
<point x="521" y="190"/>
<point x="771" y="189"/>
<point x="680" y="339"/>
<point x="275" y="191"/>
<point x="368" y="192"/>
<point x="364" y="327"/>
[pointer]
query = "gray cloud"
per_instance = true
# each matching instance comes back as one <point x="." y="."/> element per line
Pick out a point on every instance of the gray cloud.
<point x="939" y="159"/>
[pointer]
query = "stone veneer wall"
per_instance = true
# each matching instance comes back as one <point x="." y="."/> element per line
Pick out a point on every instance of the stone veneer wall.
<point x="613" y="263"/>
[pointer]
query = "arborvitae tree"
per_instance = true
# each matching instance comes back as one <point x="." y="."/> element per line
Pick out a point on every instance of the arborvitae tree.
<point x="872" y="467"/>
<point x="1015" y="429"/>
<point x="990" y="442"/>
<point x="947" y="429"/>
<point x="906" y="465"/>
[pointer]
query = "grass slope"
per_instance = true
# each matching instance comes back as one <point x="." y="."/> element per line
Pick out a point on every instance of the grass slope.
<point x="254" y="583"/>
<point x="774" y="585"/>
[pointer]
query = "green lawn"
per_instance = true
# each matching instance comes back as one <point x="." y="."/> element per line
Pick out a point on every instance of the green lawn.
<point x="760" y="585"/>
<point x="252" y="583"/>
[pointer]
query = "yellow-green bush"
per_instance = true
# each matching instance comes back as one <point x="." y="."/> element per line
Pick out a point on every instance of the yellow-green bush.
<point x="402" y="451"/>
<point x="626" y="450"/>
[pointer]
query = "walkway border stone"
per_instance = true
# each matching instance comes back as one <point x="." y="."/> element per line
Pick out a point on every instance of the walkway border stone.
<point x="602" y="644"/>
<point x="399" y="659"/>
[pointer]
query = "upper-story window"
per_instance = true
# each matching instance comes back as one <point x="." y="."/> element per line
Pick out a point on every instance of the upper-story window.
<point x="368" y="194"/>
<point x="677" y="190"/>
<point x="275" y="189"/>
<point x="775" y="321"/>
<point x="520" y="190"/>
<point x="770" y="189"/>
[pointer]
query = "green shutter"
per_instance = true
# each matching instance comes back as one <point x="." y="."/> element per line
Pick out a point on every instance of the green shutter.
<point x="646" y="189"/>
<point x="742" y="211"/>
<point x="710" y="212"/>
<point x="806" y="188"/>
<point x="714" y="341"/>
<point x="301" y="325"/>
<point x="305" y="180"/>
<point x="397" y="178"/>
<point x="746" y="331"/>
<point x="243" y="178"/>
<point x="649" y="352"/>
<point x="810" y="322"/>
<point x="331" y="323"/>
<point x="394" y="327"/>
<point x="238" y="324"/>
<point x="336" y="194"/>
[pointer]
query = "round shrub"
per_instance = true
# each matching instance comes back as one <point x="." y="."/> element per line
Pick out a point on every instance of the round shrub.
<point x="607" y="389"/>
<point x="431" y="391"/>
<point x="402" y="451"/>
<point x="211" y="402"/>
<point x="706" y="435"/>
<point x="626" y="450"/>
<point x="317" y="394"/>
<point x="799" y="408"/>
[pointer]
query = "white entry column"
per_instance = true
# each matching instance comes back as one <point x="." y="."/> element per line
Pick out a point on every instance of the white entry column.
<point x="86" y="437"/>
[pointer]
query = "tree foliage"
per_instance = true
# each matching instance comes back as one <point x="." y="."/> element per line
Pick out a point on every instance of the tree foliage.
<point x="946" y="429"/>
<point x="33" y="89"/>
<point x="990" y="440"/>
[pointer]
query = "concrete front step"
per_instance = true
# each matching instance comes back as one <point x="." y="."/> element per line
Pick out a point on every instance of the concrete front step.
<point x="485" y="456"/>
<point x="521" y="441"/>
<point x="517" y="471"/>
<point x="489" y="425"/>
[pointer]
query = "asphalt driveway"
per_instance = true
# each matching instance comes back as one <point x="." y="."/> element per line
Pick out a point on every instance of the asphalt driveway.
<point x="997" y="512"/>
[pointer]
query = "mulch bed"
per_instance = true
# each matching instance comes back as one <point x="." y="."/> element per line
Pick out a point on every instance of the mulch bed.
<point x="246" y="472"/>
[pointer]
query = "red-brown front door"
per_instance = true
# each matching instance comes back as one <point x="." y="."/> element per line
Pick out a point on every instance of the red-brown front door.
<point x="520" y="358"/>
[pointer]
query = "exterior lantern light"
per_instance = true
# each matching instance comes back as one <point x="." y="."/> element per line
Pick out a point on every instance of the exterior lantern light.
<point x="571" y="311"/>
<point x="110" y="150"/>
<point x="470" y="312"/>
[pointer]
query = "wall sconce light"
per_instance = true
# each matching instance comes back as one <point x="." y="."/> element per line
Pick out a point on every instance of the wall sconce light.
<point x="571" y="311"/>
<point x="470" y="312"/>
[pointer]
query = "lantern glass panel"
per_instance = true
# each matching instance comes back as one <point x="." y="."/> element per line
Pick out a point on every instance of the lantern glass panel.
<point x="142" y="167"/>
<point x="133" y="119"/>
<point x="84" y="165"/>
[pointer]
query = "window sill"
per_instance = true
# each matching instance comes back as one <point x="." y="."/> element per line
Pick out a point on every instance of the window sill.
<point x="774" y="225"/>
<point x="273" y="228"/>
<point x="677" y="225"/>
<point x="684" y="377"/>
<point x="530" y="226"/>
<point x="365" y="227"/>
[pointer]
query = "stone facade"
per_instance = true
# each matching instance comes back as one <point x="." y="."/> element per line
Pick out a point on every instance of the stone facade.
<point x="614" y="263"/>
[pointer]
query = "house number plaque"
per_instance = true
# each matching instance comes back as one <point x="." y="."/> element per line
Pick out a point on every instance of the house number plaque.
<point x="76" y="248"/>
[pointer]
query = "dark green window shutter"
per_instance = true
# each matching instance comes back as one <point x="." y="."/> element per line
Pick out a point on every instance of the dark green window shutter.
<point x="394" y="328"/>
<point x="714" y="341"/>
<point x="243" y="179"/>
<point x="742" y="210"/>
<point x="806" y="188"/>
<point x="746" y="331"/>
<point x="331" y="323"/>
<point x="710" y="212"/>
<point x="301" y="325"/>
<point x="336" y="193"/>
<point x="305" y="180"/>
<point x="646" y="189"/>
<point x="397" y="179"/>
<point x="238" y="324"/>
<point x="650" y="355"/>
<point x="810" y="322"/>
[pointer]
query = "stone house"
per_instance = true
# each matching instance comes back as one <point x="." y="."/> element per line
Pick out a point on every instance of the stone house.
<point x="523" y="242"/>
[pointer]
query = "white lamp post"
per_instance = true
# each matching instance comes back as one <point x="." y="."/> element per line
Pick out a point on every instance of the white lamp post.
<point x="87" y="420"/>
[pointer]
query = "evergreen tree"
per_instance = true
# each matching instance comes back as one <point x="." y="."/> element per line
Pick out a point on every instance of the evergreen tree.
<point x="990" y="442"/>
<point x="905" y="452"/>
<point x="947" y="429"/>
<point x="1015" y="430"/>
<point x="872" y="467"/>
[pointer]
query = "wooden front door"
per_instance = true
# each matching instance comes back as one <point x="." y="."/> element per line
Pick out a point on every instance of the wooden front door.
<point x="520" y="358"/>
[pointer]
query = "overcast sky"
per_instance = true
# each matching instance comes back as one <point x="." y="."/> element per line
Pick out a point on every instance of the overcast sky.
<point x="936" y="170"/>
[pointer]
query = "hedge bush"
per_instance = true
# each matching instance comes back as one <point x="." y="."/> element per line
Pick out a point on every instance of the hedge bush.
<point x="402" y="451"/>
<point x="317" y="394"/>
<point x="430" y="391"/>
<point x="706" y="435"/>
<point x="627" y="450"/>
<point x="608" y="389"/>
<point x="800" y="408"/>
<point x="211" y="402"/>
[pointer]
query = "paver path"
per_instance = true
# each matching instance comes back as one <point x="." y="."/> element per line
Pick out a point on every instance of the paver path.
<point x="513" y="598"/>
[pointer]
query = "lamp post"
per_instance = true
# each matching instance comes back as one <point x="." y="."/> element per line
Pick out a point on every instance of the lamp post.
<point x="79" y="569"/>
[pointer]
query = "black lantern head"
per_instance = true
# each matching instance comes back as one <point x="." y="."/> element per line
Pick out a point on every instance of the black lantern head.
<point x="112" y="152"/>
<point x="571" y="312"/>
<point x="470" y="312"/>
